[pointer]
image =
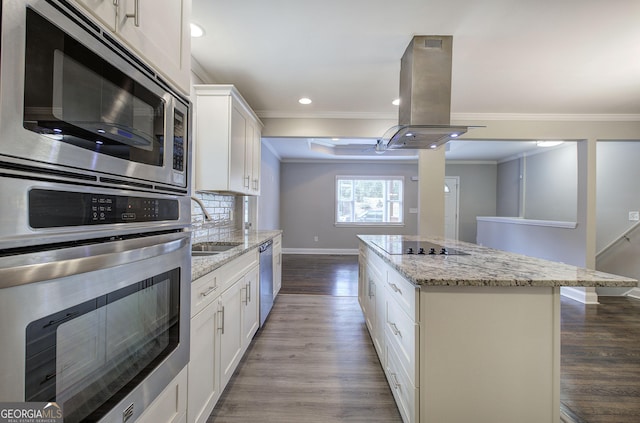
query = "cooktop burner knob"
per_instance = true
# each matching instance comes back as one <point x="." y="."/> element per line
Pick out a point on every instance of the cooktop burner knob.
<point x="409" y="250"/>
<point x="432" y="251"/>
<point x="421" y="251"/>
<point x="444" y="251"/>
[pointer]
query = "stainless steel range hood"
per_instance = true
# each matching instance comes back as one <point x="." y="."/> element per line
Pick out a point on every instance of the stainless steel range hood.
<point x="425" y="96"/>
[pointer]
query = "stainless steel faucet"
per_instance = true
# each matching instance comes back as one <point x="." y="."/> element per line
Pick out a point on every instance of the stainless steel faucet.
<point x="204" y="210"/>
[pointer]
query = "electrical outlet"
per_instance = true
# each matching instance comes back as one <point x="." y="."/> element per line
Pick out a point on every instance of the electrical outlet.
<point x="634" y="215"/>
<point x="315" y="238"/>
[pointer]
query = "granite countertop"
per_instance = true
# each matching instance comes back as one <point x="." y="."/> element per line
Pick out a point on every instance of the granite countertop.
<point x="487" y="267"/>
<point x="201" y="265"/>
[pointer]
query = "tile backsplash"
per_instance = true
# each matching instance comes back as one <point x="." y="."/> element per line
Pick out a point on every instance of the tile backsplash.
<point x="226" y="216"/>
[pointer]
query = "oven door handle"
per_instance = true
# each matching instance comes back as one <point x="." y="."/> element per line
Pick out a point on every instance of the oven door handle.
<point x="53" y="264"/>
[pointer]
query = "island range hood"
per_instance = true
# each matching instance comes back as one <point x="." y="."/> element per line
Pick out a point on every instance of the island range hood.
<point x="425" y="97"/>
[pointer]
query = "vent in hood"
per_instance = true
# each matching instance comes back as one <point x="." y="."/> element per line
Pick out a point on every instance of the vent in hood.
<point x="425" y="96"/>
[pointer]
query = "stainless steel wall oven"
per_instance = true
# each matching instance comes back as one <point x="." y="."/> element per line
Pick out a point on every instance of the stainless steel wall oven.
<point x="95" y="264"/>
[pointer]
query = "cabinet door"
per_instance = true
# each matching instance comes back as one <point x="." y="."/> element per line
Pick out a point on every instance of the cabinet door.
<point x="162" y="35"/>
<point x="239" y="181"/>
<point x="204" y="365"/>
<point x="230" y="307"/>
<point x="251" y="310"/>
<point x="103" y="10"/>
<point x="254" y="145"/>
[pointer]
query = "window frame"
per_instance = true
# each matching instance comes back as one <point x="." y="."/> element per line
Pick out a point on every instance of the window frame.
<point x="387" y="202"/>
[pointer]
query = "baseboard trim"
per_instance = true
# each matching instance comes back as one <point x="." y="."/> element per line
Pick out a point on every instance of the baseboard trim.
<point x="633" y="293"/>
<point x="578" y="294"/>
<point x="327" y="251"/>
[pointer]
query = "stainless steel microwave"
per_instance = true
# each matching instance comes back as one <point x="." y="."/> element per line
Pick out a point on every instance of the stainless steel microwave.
<point x="75" y="102"/>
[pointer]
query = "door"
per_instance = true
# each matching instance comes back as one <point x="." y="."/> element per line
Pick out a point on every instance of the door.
<point x="451" y="198"/>
<point x="204" y="364"/>
<point x="251" y="309"/>
<point x="231" y="305"/>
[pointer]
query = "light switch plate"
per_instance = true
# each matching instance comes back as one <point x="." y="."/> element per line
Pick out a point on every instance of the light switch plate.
<point x="634" y="215"/>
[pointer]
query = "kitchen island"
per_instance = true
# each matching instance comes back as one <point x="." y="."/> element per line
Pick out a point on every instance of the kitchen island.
<point x="469" y="336"/>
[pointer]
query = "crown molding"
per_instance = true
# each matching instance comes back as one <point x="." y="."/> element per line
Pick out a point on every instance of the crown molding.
<point x="566" y="117"/>
<point x="547" y="117"/>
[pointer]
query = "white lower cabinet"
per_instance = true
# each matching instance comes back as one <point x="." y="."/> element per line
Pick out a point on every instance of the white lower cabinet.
<point x="171" y="405"/>
<point x="225" y="317"/>
<point x="251" y="306"/>
<point x="204" y="364"/>
<point x="390" y="307"/>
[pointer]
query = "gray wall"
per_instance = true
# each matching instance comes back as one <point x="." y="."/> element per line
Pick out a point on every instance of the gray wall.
<point x="307" y="207"/>
<point x="551" y="181"/>
<point x="508" y="188"/>
<point x="269" y="200"/>
<point x="617" y="188"/>
<point x="477" y="195"/>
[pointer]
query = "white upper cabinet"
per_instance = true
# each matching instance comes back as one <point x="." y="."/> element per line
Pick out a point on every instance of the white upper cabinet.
<point x="103" y="10"/>
<point x="227" y="139"/>
<point x="157" y="30"/>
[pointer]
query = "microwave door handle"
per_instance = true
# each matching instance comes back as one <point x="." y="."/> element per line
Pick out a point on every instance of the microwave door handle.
<point x="47" y="265"/>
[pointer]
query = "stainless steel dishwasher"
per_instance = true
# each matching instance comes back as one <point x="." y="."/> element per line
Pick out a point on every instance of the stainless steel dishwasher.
<point x="266" y="280"/>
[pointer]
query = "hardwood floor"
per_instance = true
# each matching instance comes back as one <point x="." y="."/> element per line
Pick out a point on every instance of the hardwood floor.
<point x="600" y="360"/>
<point x="314" y="361"/>
<point x="320" y="274"/>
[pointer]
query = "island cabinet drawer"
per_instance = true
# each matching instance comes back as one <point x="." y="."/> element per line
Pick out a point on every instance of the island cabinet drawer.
<point x="403" y="334"/>
<point x="404" y="392"/>
<point x="404" y="292"/>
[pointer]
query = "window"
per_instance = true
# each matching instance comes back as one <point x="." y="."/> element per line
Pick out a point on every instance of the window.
<point x="369" y="200"/>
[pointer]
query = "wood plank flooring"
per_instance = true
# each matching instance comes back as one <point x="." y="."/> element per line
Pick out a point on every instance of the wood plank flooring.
<point x="335" y="275"/>
<point x="314" y="361"/>
<point x="600" y="360"/>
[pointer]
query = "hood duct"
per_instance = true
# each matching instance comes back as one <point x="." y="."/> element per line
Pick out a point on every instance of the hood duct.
<point x="425" y="96"/>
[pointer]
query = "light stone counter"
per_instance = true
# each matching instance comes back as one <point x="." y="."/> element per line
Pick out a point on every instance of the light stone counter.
<point x="487" y="267"/>
<point x="201" y="265"/>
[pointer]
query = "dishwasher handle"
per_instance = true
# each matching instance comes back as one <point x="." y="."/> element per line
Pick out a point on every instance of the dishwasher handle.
<point x="266" y="245"/>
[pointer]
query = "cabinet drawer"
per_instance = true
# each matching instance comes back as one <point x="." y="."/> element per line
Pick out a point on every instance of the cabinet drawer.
<point x="404" y="292"/>
<point x="404" y="334"/>
<point x="405" y="394"/>
<point x="204" y="290"/>
<point x="230" y="272"/>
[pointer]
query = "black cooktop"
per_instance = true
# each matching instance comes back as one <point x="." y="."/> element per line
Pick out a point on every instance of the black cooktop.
<point x="418" y="248"/>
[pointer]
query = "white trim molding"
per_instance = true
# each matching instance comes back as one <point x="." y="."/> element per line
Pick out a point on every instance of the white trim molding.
<point x="531" y="222"/>
<point x="633" y="293"/>
<point x="326" y="251"/>
<point x="585" y="296"/>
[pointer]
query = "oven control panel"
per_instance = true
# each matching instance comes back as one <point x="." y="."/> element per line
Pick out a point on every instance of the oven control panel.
<point x="51" y="209"/>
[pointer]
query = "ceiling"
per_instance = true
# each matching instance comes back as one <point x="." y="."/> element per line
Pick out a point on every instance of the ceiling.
<point x="550" y="57"/>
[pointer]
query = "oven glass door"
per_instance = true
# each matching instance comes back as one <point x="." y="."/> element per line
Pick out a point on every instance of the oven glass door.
<point x="89" y="356"/>
<point x="73" y="96"/>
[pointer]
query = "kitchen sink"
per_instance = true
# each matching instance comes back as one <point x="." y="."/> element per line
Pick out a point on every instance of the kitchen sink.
<point x="210" y="248"/>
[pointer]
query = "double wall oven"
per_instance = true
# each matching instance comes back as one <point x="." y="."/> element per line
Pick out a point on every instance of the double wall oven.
<point x="94" y="216"/>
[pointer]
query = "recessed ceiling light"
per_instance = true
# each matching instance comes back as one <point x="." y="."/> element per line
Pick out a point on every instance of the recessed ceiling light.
<point x="548" y="143"/>
<point x="396" y="102"/>
<point x="304" y="100"/>
<point x="196" y="31"/>
<point x="335" y="139"/>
